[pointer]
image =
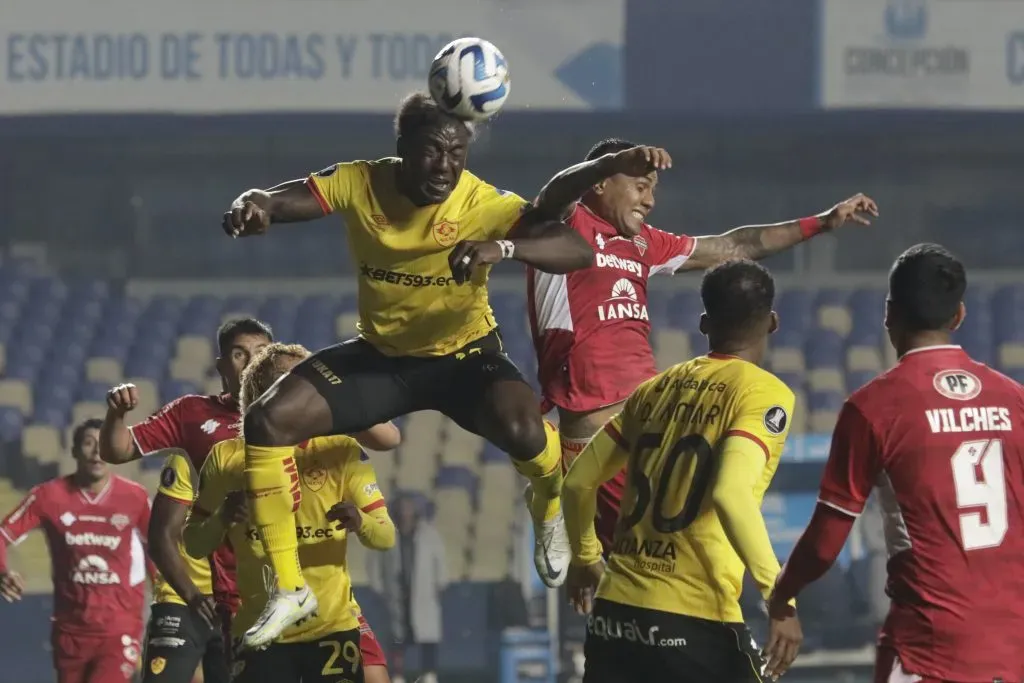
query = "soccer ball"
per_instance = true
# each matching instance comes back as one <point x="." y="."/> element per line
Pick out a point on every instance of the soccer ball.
<point x="469" y="79"/>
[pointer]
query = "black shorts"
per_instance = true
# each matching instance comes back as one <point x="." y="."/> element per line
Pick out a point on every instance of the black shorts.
<point x="628" y="644"/>
<point x="364" y="387"/>
<point x="176" y="642"/>
<point x="333" y="659"/>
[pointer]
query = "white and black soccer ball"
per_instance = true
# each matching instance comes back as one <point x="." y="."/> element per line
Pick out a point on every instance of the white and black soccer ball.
<point x="469" y="79"/>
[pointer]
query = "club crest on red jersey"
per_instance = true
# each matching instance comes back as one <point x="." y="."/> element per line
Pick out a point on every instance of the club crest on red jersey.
<point x="641" y="244"/>
<point x="120" y="521"/>
<point x="958" y="385"/>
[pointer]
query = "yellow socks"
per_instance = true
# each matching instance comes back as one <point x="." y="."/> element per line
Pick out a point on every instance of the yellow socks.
<point x="545" y="474"/>
<point x="272" y="482"/>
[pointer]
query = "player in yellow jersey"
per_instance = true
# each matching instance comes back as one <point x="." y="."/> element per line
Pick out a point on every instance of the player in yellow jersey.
<point x="701" y="442"/>
<point x="339" y="488"/>
<point x="176" y="640"/>
<point x="424" y="233"/>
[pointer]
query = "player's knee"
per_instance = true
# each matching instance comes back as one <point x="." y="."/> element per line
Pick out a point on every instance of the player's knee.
<point x="524" y="436"/>
<point x="265" y="425"/>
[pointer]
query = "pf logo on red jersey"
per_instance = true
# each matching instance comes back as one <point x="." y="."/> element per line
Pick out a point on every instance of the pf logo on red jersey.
<point x="959" y="385"/>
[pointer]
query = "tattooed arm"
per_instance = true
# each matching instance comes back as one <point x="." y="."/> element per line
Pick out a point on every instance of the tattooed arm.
<point x="758" y="241"/>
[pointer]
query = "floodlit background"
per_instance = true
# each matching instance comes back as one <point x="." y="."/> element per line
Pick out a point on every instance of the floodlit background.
<point x="127" y="126"/>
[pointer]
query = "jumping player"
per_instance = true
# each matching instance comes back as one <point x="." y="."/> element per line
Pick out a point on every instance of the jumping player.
<point x="591" y="327"/>
<point x="339" y="488"/>
<point x="95" y="525"/>
<point x="940" y="438"/>
<point x="700" y="443"/>
<point x="424" y="233"/>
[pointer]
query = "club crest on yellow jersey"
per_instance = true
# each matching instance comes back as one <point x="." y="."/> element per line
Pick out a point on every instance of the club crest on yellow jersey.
<point x="446" y="233"/>
<point x="314" y="476"/>
<point x="157" y="665"/>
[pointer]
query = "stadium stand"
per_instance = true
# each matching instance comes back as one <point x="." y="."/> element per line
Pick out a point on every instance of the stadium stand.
<point x="64" y="342"/>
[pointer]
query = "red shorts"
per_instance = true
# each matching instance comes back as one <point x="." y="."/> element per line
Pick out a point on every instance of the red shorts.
<point x="889" y="669"/>
<point x="590" y="381"/>
<point x="103" y="658"/>
<point x="369" y="646"/>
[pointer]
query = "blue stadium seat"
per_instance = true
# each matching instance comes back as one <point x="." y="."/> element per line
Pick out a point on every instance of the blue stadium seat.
<point x="92" y="391"/>
<point x="11" y="421"/>
<point x="824" y="349"/>
<point x="795" y="311"/>
<point x="825" y="400"/>
<point x="492" y="453"/>
<point x="451" y="476"/>
<point x="856" y="379"/>
<point x="171" y="389"/>
<point x="684" y="309"/>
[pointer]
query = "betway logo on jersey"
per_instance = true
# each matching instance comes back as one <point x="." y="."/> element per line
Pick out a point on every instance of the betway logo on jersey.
<point x="91" y="539"/>
<point x="610" y="261"/>
<point x="94" y="570"/>
<point x="622" y="304"/>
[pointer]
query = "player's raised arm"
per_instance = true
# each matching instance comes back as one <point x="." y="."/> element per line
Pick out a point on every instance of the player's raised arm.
<point x="381" y="437"/>
<point x="117" y="445"/>
<point x="166" y="524"/>
<point x="255" y="210"/>
<point x="559" y="196"/>
<point x="759" y="241"/>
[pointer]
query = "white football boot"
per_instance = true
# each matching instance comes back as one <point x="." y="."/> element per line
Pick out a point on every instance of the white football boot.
<point x="284" y="609"/>
<point x="551" y="550"/>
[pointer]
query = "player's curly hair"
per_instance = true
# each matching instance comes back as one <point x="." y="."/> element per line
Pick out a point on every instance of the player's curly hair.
<point x="609" y="146"/>
<point x="265" y="369"/>
<point x="418" y="110"/>
<point x="926" y="286"/>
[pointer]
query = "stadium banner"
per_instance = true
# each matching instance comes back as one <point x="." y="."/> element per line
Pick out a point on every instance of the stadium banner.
<point x="922" y="54"/>
<point x="270" y="56"/>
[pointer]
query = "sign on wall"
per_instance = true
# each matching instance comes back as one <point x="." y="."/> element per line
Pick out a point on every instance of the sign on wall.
<point x="241" y="56"/>
<point x="922" y="54"/>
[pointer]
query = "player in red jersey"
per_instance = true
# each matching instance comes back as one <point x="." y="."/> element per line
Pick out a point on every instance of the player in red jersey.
<point x="591" y="326"/>
<point x="942" y="438"/>
<point x="195" y="423"/>
<point x="95" y="525"/>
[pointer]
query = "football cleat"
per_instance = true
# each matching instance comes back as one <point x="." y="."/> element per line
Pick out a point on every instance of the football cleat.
<point x="283" y="610"/>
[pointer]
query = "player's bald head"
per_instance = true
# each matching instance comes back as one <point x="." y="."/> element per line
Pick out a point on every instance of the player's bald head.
<point x="926" y="289"/>
<point x="419" y="113"/>
<point x="738" y="296"/>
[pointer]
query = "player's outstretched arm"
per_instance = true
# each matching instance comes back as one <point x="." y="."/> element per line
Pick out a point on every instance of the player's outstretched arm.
<point x="559" y="196"/>
<point x="253" y="212"/>
<point x="549" y="246"/>
<point x="759" y="241"/>
<point x="19" y="522"/>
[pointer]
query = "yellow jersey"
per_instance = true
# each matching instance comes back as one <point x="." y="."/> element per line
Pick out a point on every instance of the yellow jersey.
<point x="331" y="469"/>
<point x="714" y="419"/>
<point x="409" y="305"/>
<point x="177" y="482"/>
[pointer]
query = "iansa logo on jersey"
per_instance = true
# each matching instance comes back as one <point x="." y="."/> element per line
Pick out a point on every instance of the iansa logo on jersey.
<point x="775" y="420"/>
<point x="959" y="385"/>
<point x="94" y="570"/>
<point x="446" y="233"/>
<point x="622" y="304"/>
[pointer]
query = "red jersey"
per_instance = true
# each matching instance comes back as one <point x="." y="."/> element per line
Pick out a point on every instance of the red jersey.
<point x="942" y="437"/>
<point x="591" y="327"/>
<point x="96" y="552"/>
<point x="195" y="424"/>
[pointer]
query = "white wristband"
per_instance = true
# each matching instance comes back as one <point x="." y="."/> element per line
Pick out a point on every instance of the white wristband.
<point x="508" y="248"/>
